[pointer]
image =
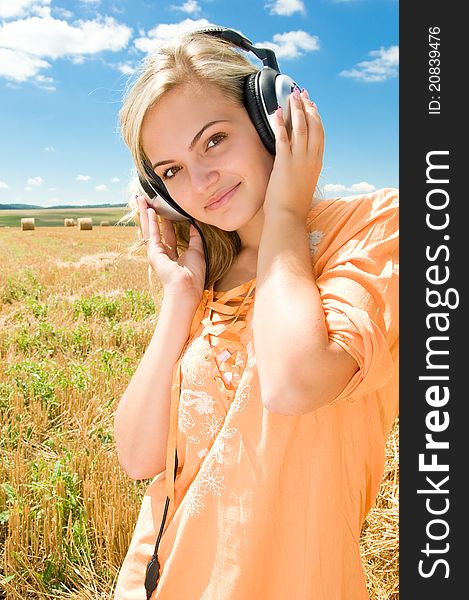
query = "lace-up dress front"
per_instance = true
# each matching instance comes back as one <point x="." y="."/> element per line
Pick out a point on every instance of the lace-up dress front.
<point x="265" y="505"/>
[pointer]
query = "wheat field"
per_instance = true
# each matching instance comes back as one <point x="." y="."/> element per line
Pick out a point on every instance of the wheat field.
<point x="76" y="314"/>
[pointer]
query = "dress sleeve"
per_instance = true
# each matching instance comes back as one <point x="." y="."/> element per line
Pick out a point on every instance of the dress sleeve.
<point x="358" y="282"/>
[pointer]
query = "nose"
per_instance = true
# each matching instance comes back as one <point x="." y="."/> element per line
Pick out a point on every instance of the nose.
<point x="204" y="177"/>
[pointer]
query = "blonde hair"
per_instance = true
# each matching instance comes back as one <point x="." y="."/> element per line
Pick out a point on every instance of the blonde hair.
<point x="198" y="59"/>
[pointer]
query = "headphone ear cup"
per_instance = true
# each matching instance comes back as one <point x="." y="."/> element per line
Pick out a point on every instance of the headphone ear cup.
<point x="253" y="104"/>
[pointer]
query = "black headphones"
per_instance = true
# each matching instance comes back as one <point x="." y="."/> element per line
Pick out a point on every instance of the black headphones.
<point x="264" y="92"/>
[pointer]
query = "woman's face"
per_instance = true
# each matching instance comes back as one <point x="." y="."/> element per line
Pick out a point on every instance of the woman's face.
<point x="208" y="154"/>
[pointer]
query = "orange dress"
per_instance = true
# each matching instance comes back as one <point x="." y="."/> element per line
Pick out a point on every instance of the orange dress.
<point x="265" y="505"/>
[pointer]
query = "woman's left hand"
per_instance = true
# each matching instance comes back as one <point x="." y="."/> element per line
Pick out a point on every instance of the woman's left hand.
<point x="298" y="161"/>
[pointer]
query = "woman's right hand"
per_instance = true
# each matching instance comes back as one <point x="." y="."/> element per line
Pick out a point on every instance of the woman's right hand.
<point x="183" y="274"/>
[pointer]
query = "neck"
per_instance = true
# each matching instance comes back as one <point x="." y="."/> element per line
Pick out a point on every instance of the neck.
<point x="250" y="234"/>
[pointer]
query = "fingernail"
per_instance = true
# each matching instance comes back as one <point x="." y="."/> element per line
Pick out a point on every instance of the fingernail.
<point x="296" y="92"/>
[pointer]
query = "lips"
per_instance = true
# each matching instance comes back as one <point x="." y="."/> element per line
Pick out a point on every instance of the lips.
<point x="222" y="197"/>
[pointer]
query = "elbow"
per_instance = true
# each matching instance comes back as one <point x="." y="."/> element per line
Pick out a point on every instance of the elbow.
<point x="135" y="468"/>
<point x="136" y="471"/>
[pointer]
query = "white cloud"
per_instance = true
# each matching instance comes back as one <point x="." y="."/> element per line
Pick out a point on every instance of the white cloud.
<point x="125" y="68"/>
<point x="19" y="66"/>
<point x="115" y="179"/>
<point x="190" y="7"/>
<point x="49" y="149"/>
<point x="362" y="187"/>
<point x="334" y="189"/>
<point x="383" y="67"/>
<point x="292" y="44"/>
<point x="83" y="177"/>
<point x="63" y="12"/>
<point x="46" y="83"/>
<point x="101" y="188"/>
<point x="18" y="8"/>
<point x="164" y="33"/>
<point x="55" y="38"/>
<point x="3" y="185"/>
<point x="34" y="181"/>
<point x="286" y="7"/>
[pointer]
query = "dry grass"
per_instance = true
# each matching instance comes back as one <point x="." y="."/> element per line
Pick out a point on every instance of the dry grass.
<point x="75" y="318"/>
<point x="380" y="533"/>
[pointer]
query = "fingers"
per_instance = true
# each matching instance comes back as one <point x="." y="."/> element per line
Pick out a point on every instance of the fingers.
<point x="148" y="223"/>
<point x="169" y="237"/>
<point x="299" y="136"/>
<point x="143" y="216"/>
<point x="154" y="237"/>
<point x="165" y="240"/>
<point x="282" y="141"/>
<point x="195" y="241"/>
<point x="307" y="133"/>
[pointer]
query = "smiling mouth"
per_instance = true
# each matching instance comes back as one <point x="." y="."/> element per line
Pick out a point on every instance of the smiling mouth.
<point x="224" y="199"/>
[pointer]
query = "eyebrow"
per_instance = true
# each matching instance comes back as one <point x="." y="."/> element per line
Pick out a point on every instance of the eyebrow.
<point x="192" y="144"/>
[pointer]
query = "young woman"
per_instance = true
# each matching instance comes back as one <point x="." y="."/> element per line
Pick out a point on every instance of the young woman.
<point x="273" y="375"/>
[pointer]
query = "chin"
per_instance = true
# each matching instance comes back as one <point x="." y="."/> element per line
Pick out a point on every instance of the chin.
<point x="236" y="223"/>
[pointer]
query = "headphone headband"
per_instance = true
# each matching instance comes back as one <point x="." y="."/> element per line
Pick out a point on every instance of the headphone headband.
<point x="266" y="55"/>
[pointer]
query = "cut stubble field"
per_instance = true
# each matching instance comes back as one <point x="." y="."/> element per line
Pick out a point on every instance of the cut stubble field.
<point x="53" y="217"/>
<point x="76" y="315"/>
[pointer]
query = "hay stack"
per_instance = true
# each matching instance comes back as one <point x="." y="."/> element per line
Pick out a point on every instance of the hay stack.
<point x="85" y="223"/>
<point x="104" y="223"/>
<point x="379" y="539"/>
<point x="69" y="223"/>
<point x="27" y="224"/>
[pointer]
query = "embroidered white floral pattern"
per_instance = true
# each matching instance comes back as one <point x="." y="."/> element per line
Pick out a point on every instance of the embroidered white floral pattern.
<point x="212" y="481"/>
<point x="185" y="420"/>
<point x="211" y="426"/>
<point x="203" y="419"/>
<point x="190" y="362"/>
<point x="241" y="399"/>
<point x="194" y="501"/>
<point x="203" y="402"/>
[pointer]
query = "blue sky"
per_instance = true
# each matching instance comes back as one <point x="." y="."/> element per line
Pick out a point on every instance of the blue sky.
<point x="64" y="66"/>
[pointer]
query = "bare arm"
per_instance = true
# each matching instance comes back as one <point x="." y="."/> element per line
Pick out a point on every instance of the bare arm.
<point x="141" y="423"/>
<point x="300" y="369"/>
<point x="310" y="370"/>
<point x="142" y="417"/>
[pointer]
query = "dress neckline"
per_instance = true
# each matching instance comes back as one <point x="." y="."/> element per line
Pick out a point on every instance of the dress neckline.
<point x="242" y="287"/>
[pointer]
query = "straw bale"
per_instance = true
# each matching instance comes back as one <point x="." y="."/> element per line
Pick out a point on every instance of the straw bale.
<point x="379" y="540"/>
<point x="69" y="222"/>
<point x="85" y="223"/>
<point x="27" y="224"/>
<point x="104" y="223"/>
